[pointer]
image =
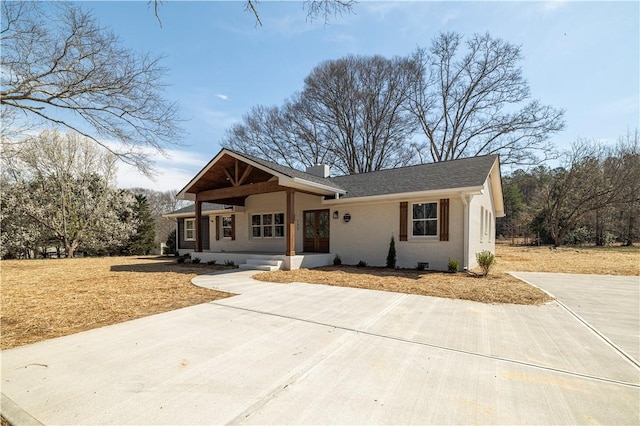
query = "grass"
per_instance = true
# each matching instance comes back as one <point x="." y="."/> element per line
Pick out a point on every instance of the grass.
<point x="42" y="299"/>
<point x="571" y="260"/>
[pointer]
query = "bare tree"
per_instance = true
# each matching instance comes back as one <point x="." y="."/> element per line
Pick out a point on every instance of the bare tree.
<point x="60" y="67"/>
<point x="476" y="102"/>
<point x="351" y="113"/>
<point x="324" y="9"/>
<point x="594" y="177"/>
<point x="286" y="134"/>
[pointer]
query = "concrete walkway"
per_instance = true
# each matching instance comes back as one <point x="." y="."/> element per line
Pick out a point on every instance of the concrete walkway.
<point x="302" y="354"/>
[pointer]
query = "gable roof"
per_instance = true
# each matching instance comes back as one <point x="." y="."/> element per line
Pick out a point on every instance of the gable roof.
<point x="288" y="171"/>
<point x="465" y="175"/>
<point x="286" y="175"/>
<point x="454" y="174"/>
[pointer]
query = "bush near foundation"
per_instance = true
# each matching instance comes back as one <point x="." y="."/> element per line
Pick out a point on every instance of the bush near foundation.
<point x="485" y="260"/>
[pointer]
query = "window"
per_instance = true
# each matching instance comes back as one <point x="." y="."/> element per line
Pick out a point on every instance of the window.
<point x="486" y="222"/>
<point x="481" y="223"/>
<point x="425" y="219"/>
<point x="189" y="229"/>
<point x="267" y="225"/>
<point x="227" y="227"/>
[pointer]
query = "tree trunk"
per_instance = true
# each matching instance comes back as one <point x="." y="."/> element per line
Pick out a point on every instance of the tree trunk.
<point x="599" y="229"/>
<point x="628" y="242"/>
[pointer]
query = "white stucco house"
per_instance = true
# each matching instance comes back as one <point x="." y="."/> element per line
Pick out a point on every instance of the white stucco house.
<point x="260" y="214"/>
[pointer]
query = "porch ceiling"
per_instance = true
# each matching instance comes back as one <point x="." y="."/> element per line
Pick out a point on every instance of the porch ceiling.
<point x="227" y="171"/>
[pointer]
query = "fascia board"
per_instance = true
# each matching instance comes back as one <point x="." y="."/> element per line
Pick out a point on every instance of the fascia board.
<point x="303" y="184"/>
<point x="235" y="209"/>
<point x="183" y="194"/>
<point x="472" y="190"/>
<point x="495" y="180"/>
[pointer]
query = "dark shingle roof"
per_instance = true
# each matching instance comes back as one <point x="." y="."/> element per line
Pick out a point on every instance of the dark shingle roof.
<point x="461" y="173"/>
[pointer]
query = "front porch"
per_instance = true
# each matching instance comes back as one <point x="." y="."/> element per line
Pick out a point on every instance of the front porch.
<point x="263" y="205"/>
<point x="263" y="260"/>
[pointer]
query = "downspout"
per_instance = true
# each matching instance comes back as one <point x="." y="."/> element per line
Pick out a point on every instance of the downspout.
<point x="465" y="230"/>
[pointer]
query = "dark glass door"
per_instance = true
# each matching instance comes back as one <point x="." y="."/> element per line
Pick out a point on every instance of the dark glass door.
<point x="316" y="231"/>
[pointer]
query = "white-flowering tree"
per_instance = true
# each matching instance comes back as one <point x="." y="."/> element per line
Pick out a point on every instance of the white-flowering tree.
<point x="63" y="186"/>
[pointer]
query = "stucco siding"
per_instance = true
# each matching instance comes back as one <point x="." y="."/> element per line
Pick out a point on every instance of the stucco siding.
<point x="367" y="235"/>
<point x="264" y="204"/>
<point x="482" y="224"/>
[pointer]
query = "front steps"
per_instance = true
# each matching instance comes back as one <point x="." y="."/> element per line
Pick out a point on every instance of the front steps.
<point x="261" y="264"/>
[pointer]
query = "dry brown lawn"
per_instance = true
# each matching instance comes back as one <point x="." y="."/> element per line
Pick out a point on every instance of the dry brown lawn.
<point x="570" y="260"/>
<point x="49" y="298"/>
<point x="497" y="287"/>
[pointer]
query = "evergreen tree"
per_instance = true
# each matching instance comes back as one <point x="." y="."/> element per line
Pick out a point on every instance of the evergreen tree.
<point x="142" y="242"/>
<point x="391" y="256"/>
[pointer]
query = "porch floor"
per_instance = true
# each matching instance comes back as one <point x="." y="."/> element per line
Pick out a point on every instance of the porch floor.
<point x="279" y="259"/>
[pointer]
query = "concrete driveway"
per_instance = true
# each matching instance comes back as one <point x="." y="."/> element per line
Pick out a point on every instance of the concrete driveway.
<point x="300" y="353"/>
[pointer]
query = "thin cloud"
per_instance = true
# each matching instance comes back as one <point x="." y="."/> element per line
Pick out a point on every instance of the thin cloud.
<point x="221" y="96"/>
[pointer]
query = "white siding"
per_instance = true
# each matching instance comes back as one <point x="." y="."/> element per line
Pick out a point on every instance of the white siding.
<point x="366" y="237"/>
<point x="481" y="224"/>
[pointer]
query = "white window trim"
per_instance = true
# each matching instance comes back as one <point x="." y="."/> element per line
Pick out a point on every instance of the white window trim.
<point x="222" y="227"/>
<point x="261" y="226"/>
<point x="435" y="237"/>
<point x="186" y="229"/>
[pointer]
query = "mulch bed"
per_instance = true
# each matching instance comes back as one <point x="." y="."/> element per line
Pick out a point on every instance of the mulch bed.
<point x="494" y="288"/>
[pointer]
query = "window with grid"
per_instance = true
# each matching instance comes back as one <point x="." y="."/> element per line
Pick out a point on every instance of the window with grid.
<point x="425" y="219"/>
<point x="267" y="225"/>
<point x="189" y="229"/>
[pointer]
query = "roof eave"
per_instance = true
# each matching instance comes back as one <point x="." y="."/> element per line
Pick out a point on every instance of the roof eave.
<point x="192" y="214"/>
<point x="305" y="185"/>
<point x="495" y="180"/>
<point x="470" y="190"/>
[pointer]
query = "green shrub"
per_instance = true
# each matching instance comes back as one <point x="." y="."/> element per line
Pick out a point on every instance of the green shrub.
<point x="391" y="256"/>
<point x="211" y="262"/>
<point x="195" y="260"/>
<point x="229" y="263"/>
<point x="362" y="264"/>
<point x="337" y="261"/>
<point x="421" y="266"/>
<point x="486" y="260"/>
<point x="180" y="259"/>
<point x="453" y="266"/>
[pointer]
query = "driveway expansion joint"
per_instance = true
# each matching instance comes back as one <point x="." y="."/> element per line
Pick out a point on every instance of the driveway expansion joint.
<point x="441" y="347"/>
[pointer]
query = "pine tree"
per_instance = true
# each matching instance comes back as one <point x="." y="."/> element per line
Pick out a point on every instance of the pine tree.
<point x="143" y="240"/>
<point x="391" y="257"/>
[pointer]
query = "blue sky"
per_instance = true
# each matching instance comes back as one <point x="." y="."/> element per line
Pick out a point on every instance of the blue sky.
<point x="580" y="56"/>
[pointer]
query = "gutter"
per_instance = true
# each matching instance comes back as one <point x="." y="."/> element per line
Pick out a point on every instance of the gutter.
<point x="472" y="190"/>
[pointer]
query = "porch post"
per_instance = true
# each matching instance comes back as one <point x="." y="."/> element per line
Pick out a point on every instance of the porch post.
<point x="291" y="224"/>
<point x="198" y="226"/>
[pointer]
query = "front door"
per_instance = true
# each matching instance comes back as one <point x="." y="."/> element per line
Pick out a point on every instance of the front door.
<point x="316" y="231"/>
